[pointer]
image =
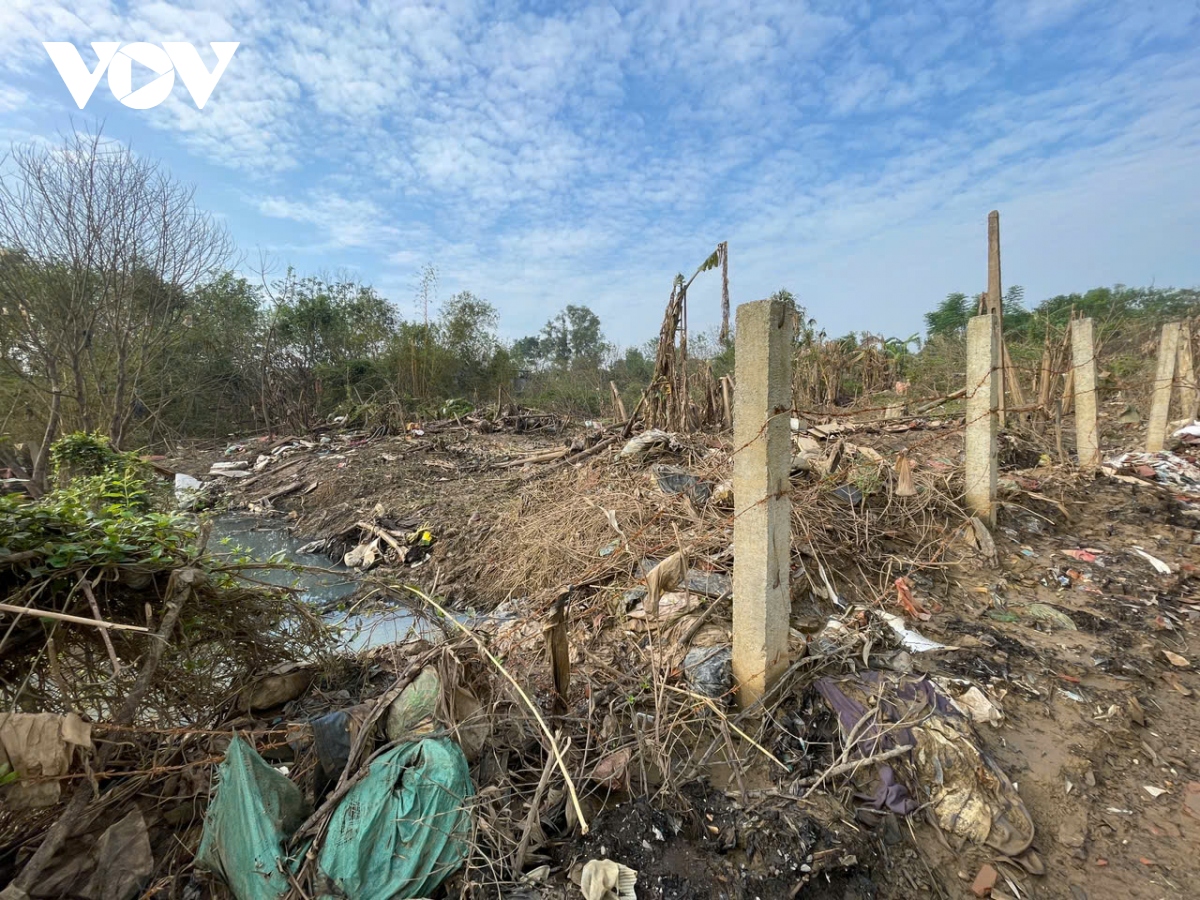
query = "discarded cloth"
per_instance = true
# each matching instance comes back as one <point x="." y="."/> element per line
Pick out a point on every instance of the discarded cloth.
<point x="37" y="746"/>
<point x="967" y="792"/>
<point x="605" y="879"/>
<point x="642" y="445"/>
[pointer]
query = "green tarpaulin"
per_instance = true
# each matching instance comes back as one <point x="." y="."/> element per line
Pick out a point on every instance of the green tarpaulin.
<point x="398" y="833"/>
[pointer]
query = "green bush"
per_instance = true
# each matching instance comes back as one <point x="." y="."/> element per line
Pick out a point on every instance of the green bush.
<point x="98" y="520"/>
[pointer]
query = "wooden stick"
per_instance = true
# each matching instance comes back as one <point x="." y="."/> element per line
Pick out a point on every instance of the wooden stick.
<point x="855" y="764"/>
<point x="380" y="533"/>
<point x="547" y="456"/>
<point x="108" y="644"/>
<point x="13" y="559"/>
<point x="1010" y="377"/>
<point x="63" y="617"/>
<point x="279" y="492"/>
<point x="518" y="863"/>
<point x="559" y="651"/>
<point x="273" y="471"/>
<point x="570" y="460"/>
<point x="618" y="403"/>
<point x="933" y="404"/>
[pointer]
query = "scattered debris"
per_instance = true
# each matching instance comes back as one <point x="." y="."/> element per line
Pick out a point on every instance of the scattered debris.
<point x="910" y="638"/>
<point x="1047" y="615"/>
<point x="664" y="577"/>
<point x="646" y="444"/>
<point x="412" y="712"/>
<point x="282" y="684"/>
<point x="1162" y="467"/>
<point x="976" y="705"/>
<point x="968" y="793"/>
<point x="674" y="480"/>
<point x="1159" y="566"/>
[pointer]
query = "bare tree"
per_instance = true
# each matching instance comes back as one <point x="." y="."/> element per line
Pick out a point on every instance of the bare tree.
<point x="100" y="248"/>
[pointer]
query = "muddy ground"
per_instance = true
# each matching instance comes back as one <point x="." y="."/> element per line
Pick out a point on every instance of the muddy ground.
<point x="1099" y="727"/>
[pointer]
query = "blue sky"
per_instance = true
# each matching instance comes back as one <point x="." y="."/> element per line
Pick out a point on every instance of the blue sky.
<point x="545" y="153"/>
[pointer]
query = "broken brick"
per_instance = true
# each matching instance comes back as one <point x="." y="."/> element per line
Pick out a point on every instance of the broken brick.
<point x="984" y="881"/>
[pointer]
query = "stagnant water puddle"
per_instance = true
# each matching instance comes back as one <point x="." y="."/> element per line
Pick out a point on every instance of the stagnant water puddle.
<point x="326" y="585"/>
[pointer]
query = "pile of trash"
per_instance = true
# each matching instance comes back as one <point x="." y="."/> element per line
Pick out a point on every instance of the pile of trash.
<point x="372" y="800"/>
<point x="1162" y="467"/>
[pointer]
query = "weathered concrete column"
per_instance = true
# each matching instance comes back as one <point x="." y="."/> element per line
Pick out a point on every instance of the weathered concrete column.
<point x="1083" y="362"/>
<point x="1185" y="374"/>
<point x="1164" y="384"/>
<point x="762" y="529"/>
<point x="983" y="361"/>
<point x="994" y="305"/>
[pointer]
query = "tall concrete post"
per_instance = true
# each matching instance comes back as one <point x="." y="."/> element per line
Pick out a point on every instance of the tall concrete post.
<point x="982" y="464"/>
<point x="762" y="527"/>
<point x="994" y="304"/>
<point x="1083" y="361"/>
<point x="1164" y="384"/>
<point x="1185" y="374"/>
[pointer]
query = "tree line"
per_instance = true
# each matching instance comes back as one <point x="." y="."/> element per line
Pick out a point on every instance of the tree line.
<point x="121" y="313"/>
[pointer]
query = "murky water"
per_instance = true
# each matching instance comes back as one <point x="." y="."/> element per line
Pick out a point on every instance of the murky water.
<point x="264" y="541"/>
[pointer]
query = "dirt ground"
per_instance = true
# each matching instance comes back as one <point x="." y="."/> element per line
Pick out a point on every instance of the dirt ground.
<point x="1099" y="729"/>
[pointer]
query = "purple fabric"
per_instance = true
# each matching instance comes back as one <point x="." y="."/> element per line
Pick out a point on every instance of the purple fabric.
<point x="898" y="699"/>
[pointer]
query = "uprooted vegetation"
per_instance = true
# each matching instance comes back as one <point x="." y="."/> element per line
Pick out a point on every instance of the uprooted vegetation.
<point x="576" y="700"/>
<point x="96" y="565"/>
<point x="561" y="669"/>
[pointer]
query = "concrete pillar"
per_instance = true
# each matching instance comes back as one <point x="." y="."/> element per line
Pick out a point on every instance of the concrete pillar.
<point x="1083" y="362"/>
<point x="762" y="528"/>
<point x="1164" y="382"/>
<point x="983" y="361"/>
<point x="994" y="304"/>
<point x="1185" y="374"/>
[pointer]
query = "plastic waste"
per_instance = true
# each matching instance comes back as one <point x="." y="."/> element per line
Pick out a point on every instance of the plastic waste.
<point x="117" y="866"/>
<point x="1048" y="616"/>
<point x="1163" y="467"/>
<point x="402" y="830"/>
<point x="910" y="638"/>
<point x="642" y="445"/>
<point x="673" y="480"/>
<point x="255" y="809"/>
<point x="334" y="734"/>
<point x="412" y="712"/>
<point x="709" y="670"/>
<point x="36" y="749"/>
<point x="398" y="833"/>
